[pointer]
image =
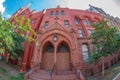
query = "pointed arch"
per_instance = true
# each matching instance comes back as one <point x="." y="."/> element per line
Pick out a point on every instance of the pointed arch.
<point x="63" y="56"/>
<point x="47" y="56"/>
<point x="48" y="47"/>
<point x="63" y="47"/>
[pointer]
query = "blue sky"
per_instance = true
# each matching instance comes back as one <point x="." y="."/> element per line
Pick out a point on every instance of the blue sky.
<point x="9" y="7"/>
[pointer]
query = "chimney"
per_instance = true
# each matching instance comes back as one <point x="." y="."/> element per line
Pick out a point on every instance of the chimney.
<point x="58" y="6"/>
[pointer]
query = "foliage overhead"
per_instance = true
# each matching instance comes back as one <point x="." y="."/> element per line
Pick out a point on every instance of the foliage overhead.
<point x="12" y="36"/>
<point x="105" y="40"/>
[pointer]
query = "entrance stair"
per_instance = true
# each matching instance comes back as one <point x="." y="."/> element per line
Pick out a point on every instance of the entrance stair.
<point x="59" y="75"/>
<point x="36" y="73"/>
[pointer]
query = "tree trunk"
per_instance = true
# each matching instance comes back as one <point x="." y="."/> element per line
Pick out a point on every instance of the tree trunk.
<point x="103" y="66"/>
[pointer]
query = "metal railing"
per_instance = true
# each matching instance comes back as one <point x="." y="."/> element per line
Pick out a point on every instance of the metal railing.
<point x="52" y="70"/>
<point x="29" y="72"/>
<point x="77" y="71"/>
<point x="74" y="69"/>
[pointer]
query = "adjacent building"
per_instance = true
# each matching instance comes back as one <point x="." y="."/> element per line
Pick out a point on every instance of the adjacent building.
<point x="111" y="21"/>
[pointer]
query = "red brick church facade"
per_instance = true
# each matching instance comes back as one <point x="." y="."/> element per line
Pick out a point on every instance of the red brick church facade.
<point x="63" y="41"/>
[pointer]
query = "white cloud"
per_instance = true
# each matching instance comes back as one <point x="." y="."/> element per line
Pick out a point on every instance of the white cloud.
<point x="2" y="8"/>
<point x="109" y="6"/>
<point x="8" y="16"/>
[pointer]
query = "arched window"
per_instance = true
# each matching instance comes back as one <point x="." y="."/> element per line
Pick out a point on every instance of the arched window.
<point x="85" y="51"/>
<point x="33" y="21"/>
<point x="57" y="13"/>
<point x="51" y="13"/>
<point x="49" y="48"/>
<point x="62" y="13"/>
<point x="86" y="22"/>
<point x="80" y="33"/>
<point x="76" y="21"/>
<point x="63" y="48"/>
<point x="46" y="24"/>
<point x="66" y="22"/>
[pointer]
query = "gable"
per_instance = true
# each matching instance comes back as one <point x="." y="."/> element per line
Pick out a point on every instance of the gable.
<point x="57" y="26"/>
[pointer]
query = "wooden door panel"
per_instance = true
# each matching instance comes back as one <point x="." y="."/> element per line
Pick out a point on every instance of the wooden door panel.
<point x="63" y="61"/>
<point x="48" y="61"/>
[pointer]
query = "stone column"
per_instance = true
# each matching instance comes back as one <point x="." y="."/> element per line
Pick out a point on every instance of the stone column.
<point x="55" y="58"/>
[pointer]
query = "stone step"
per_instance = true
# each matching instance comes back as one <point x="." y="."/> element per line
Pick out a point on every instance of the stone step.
<point x="45" y="75"/>
<point x="55" y="77"/>
<point x="41" y="76"/>
<point x="34" y="78"/>
<point x="58" y="72"/>
<point x="64" y="76"/>
<point x="64" y="72"/>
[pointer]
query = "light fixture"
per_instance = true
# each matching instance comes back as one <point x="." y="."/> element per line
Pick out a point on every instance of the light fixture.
<point x="55" y="37"/>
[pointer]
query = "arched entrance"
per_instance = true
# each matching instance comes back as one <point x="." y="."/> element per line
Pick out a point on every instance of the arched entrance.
<point x="47" y="56"/>
<point x="63" y="57"/>
<point x="56" y="53"/>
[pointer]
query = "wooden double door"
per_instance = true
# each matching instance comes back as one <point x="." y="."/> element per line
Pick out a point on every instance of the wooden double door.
<point x="62" y="58"/>
<point x="63" y="61"/>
